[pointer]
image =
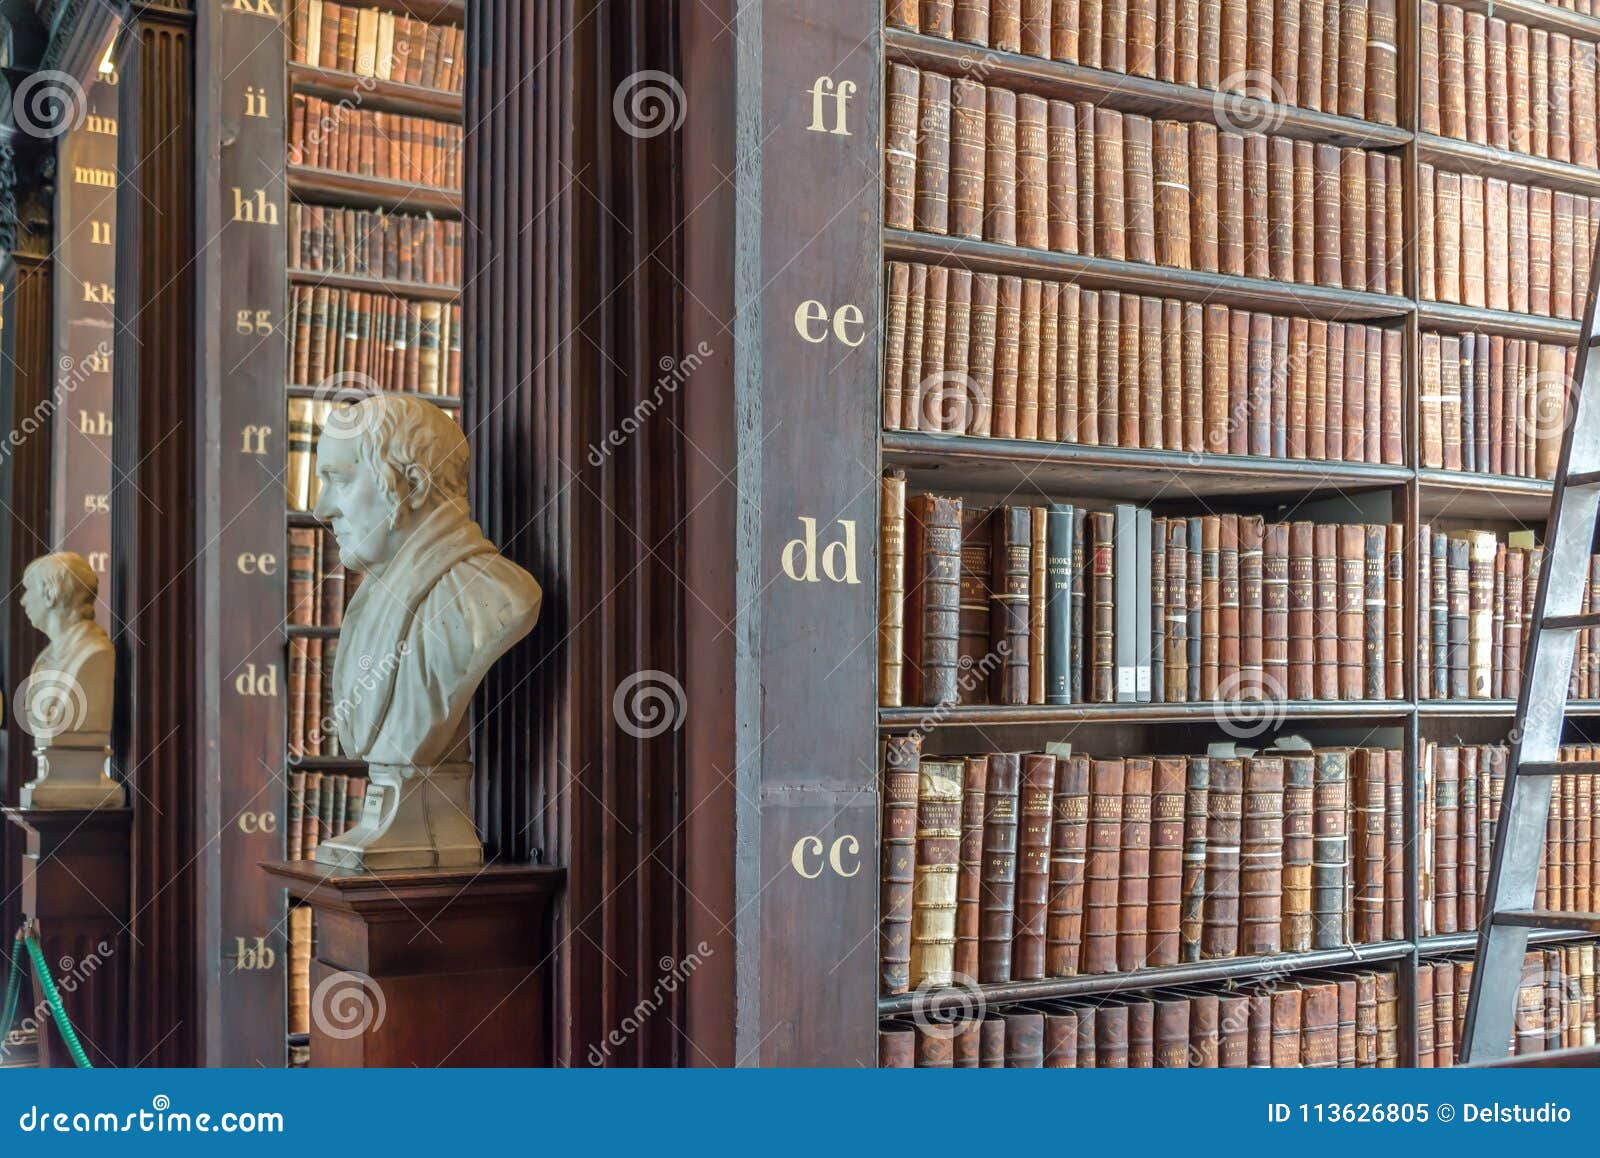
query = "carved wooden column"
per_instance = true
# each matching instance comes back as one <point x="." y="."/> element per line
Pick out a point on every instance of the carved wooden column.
<point x="153" y="515"/>
<point x="571" y="306"/>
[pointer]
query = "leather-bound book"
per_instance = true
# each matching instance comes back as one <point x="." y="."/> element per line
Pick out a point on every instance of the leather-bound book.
<point x="968" y="157"/>
<point x="1111" y="1037"/>
<point x="1171" y="1033"/>
<point x="1220" y="935"/>
<point x="1474" y="291"/>
<point x="1139" y="201"/>
<point x="1467" y="840"/>
<point x="933" y="553"/>
<point x="1395" y="230"/>
<point x="1011" y="574"/>
<point x="1261" y="858"/>
<point x="1428" y="71"/>
<point x="1000" y="195"/>
<point x="977" y="568"/>
<point x="933" y="917"/>
<point x="1330" y="849"/>
<point x="1431" y="402"/>
<point x="1259" y="370"/>
<point x="1312" y="54"/>
<point x="1210" y="606"/>
<point x="1035" y="808"/>
<point x="1203" y="192"/>
<point x="1257" y="209"/>
<point x="998" y="895"/>
<point x="1446" y="839"/>
<point x="1102" y="626"/>
<point x="1172" y="195"/>
<point x="1378" y="226"/>
<point x="1166" y="859"/>
<point x="1352" y="215"/>
<point x="1394" y="611"/>
<point x="1550" y="399"/>
<point x="951" y="408"/>
<point x="1354" y="394"/>
<point x="1087" y="1032"/>
<point x="1450" y="401"/>
<point x="1302" y="613"/>
<point x="991" y="1042"/>
<point x="1062" y="177"/>
<point x="1082" y="644"/>
<point x="1458" y="563"/>
<point x="1560" y="143"/>
<point x="969" y="881"/>
<point x="1352" y="619"/>
<point x="1038" y="595"/>
<point x="1286" y="1026"/>
<point x="1068" y="854"/>
<point x="1176" y="636"/>
<point x="896" y="1047"/>
<point x="1515" y="591"/>
<point x="1068" y="363"/>
<point x="982" y="351"/>
<point x="1035" y="35"/>
<point x="1326" y="219"/>
<point x="1204" y="1030"/>
<point x="1394" y="846"/>
<point x="1196" y="818"/>
<point x="972" y="22"/>
<point x="905" y="409"/>
<point x="1481" y="548"/>
<point x="1086" y="175"/>
<point x="1389" y="352"/>
<point x="1347" y="987"/>
<point x="1298" y="849"/>
<point x="1233" y="1031"/>
<point x="938" y="18"/>
<point x="966" y="1044"/>
<point x="1060" y="1038"/>
<point x="935" y="1047"/>
<point x="1228" y="611"/>
<point x="1426" y="233"/>
<point x="1032" y="179"/>
<point x="1128" y="404"/>
<point x="1444" y="1005"/>
<point x="1439" y="614"/>
<point x="902" y="101"/>
<point x="1024" y="1040"/>
<point x="1275" y="612"/>
<point x="1541" y="250"/>
<point x="1280" y="208"/>
<point x="1109" y="235"/>
<point x="1375" y="629"/>
<point x="1141" y="1034"/>
<point x="1382" y="81"/>
<point x="1304" y="248"/>
<point x="1230" y="203"/>
<point x="1319" y="1017"/>
<point x="1368" y="807"/>
<point x="1195" y="594"/>
<point x="898" y="278"/>
<point x="1452" y="72"/>
<point x="1152" y="390"/>
<point x="1193" y="363"/>
<point x="1133" y="886"/>
<point x="1059" y="653"/>
<point x="1102" y="866"/>
<point x="891" y="588"/>
<point x="1007" y="357"/>
<point x="1497" y="239"/>
<point x="901" y="755"/>
<point x="933" y="155"/>
<point x="1235" y="37"/>
<point x="1251" y="632"/>
<point x="1215" y="369"/>
<point x="1108" y="363"/>
<point x="1517" y="255"/>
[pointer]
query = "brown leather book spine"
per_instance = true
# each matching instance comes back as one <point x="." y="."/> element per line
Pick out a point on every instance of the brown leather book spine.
<point x="1176" y="636"/>
<point x="1369" y="804"/>
<point x="1036" y="28"/>
<point x="1033" y="163"/>
<point x="1000" y="195"/>
<point x="1428" y="67"/>
<point x="1034" y="825"/>
<point x="1024" y="1040"/>
<point x="1375" y="620"/>
<point x="1352" y="618"/>
<point x="933" y="896"/>
<point x="1172" y="195"/>
<point x="1228" y="608"/>
<point x="898" y="278"/>
<point x="1011" y="578"/>
<point x="1257" y="208"/>
<point x="1446" y="839"/>
<point x="1230" y="203"/>
<point x="933" y="552"/>
<point x="1383" y="37"/>
<point x="891" y="589"/>
<point x="1166" y="860"/>
<point x="1304" y="249"/>
<point x="897" y="873"/>
<point x="1280" y="213"/>
<point x="1319" y="1020"/>
<point x="972" y="22"/>
<point x="897" y="1047"/>
<point x="1109" y="236"/>
<point x="1210" y="605"/>
<point x="1298" y="851"/>
<point x="1215" y="403"/>
<point x="1203" y="192"/>
<point x="938" y="18"/>
<point x="1139" y="205"/>
<point x="1378" y="225"/>
<point x="922" y="409"/>
<point x="1261" y="858"/>
<point x="1062" y="167"/>
<point x="1196" y="818"/>
<point x="903" y="88"/>
<point x="1171" y="1033"/>
<point x="1220" y="935"/>
<point x="1193" y="363"/>
<point x="998" y="895"/>
<point x="968" y="158"/>
<point x="1330" y="852"/>
<point x="1205" y="1020"/>
<point x="1395" y="611"/>
<point x="1125" y="431"/>
<point x="1353" y="217"/>
<point x="1068" y="364"/>
<point x="933" y="155"/>
<point x="1007" y="357"/>
<point x="1302" y="614"/>
<point x="1111" y="1037"/>
<point x="1326" y="218"/>
<point x="1029" y="332"/>
<point x="1103" y="866"/>
<point x="1394" y="846"/>
<point x="1133" y="887"/>
<point x="977" y="544"/>
<point x="1233" y="1032"/>
<point x="1064" y="26"/>
<point x="1275" y="612"/>
<point x="1068" y="853"/>
<point x="1086" y="175"/>
<point x="1252" y="634"/>
<point x="1152" y="391"/>
<point x="982" y="351"/>
<point x="1103" y="683"/>
<point x="1061" y="1039"/>
<point x="1390" y="353"/>
<point x="969" y="882"/>
<point x="1108" y="367"/>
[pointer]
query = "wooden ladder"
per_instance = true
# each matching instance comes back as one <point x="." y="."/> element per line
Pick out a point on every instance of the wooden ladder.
<point x="1508" y="912"/>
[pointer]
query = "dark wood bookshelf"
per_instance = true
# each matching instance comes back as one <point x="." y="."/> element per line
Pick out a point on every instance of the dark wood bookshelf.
<point x="433" y="11"/>
<point x="443" y="401"/>
<point x="1499" y="708"/>
<point x="303" y="519"/>
<point x="372" y="92"/>
<point x="1133" y="94"/>
<point x="996" y="715"/>
<point x="311" y="631"/>
<point x="329" y="187"/>
<point x="1463" y="495"/>
<point x="1536" y="14"/>
<point x="1488" y="161"/>
<point x="325" y="763"/>
<point x="420" y="291"/>
<point x="1137" y="277"/>
<point x="1456" y="319"/>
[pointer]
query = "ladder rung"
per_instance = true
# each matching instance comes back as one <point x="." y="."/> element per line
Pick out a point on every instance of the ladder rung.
<point x="1560" y="921"/>
<point x="1585" y="478"/>
<point x="1571" y="768"/>
<point x="1572" y="622"/>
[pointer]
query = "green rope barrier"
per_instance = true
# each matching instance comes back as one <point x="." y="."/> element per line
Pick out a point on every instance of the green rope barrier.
<point x="54" y="998"/>
<point x="13" y="988"/>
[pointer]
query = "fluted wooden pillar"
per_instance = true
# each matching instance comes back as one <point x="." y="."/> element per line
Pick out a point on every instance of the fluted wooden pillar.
<point x="154" y="518"/>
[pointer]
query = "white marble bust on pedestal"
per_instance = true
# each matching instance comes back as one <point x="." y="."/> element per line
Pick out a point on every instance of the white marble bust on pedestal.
<point x="437" y="606"/>
<point x="65" y="703"/>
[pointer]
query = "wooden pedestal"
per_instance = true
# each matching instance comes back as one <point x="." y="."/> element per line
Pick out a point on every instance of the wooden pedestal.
<point x="76" y="884"/>
<point x="457" y="964"/>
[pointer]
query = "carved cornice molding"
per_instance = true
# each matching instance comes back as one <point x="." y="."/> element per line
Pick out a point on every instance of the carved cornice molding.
<point x="27" y="183"/>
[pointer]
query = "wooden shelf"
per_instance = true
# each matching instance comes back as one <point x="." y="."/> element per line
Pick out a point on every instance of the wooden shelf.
<point x="1133" y="94"/>
<point x="303" y="519"/>
<point x="1488" y="161"/>
<point x="1138" y="277"/>
<point x="370" y="92"/>
<point x="1464" y="495"/>
<point x="357" y="192"/>
<point x="432" y="11"/>
<point x="1535" y="14"/>
<point x="307" y="631"/>
<point x="1460" y="319"/>
<point x="956" y="462"/>
<point x="998" y="716"/>
<point x="1467" y="942"/>
<point x="1232" y="969"/>
<point x="327" y="764"/>
<point x="345" y="393"/>
<point x="1441" y="709"/>
<point x="362" y="283"/>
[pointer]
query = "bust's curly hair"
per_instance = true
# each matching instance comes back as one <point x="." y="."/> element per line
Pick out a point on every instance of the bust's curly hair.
<point x="67" y="580"/>
<point x="397" y="436"/>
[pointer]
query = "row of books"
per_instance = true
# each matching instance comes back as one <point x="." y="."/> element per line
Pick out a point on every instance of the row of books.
<point x="1482" y="241"/>
<point x="1480" y="592"/>
<point x="1555" y="1004"/>
<point x="1493" y="405"/>
<point x="301" y="934"/>
<point x="370" y="42"/>
<point x="367" y="143"/>
<point x="1337" y="1021"/>
<point x="1011" y="357"/>
<point x="1062" y="605"/>
<point x="1020" y="866"/>
<point x="374" y="243"/>
<point x="374" y="340"/>
<point x="984" y="162"/>
<point x="313" y="724"/>
<point x="306" y="418"/>
<point x="1337" y="56"/>
<point x="1496" y="82"/>
<point x="319" y="586"/>
<point x="1461" y="793"/>
<point x="321" y="805"/>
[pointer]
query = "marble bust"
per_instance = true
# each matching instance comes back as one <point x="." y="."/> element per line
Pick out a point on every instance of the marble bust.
<point x="437" y="606"/>
<point x="65" y="704"/>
